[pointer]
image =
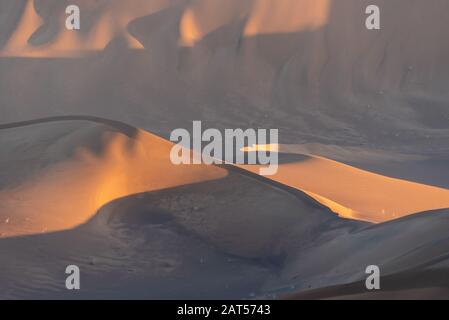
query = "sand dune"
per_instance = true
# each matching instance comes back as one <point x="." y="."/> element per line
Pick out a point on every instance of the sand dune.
<point x="362" y="113"/>
<point x="413" y="246"/>
<point x="189" y="226"/>
<point x="428" y="286"/>
<point x="354" y="193"/>
<point x="129" y="165"/>
<point x="317" y="73"/>
<point x="110" y="20"/>
<point x="85" y="165"/>
<point x="110" y="23"/>
<point x="289" y="17"/>
<point x="104" y="196"/>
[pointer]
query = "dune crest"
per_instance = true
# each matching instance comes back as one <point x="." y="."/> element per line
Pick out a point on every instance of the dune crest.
<point x="354" y="193"/>
<point x="189" y="30"/>
<point x="286" y="16"/>
<point x="69" y="192"/>
<point x="111" y="22"/>
<point x="199" y="19"/>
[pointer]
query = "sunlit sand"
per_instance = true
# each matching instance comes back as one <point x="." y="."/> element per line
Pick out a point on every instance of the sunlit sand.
<point x="198" y="20"/>
<point x="110" y="24"/>
<point x="292" y="16"/>
<point x="353" y="193"/>
<point x="70" y="192"/>
<point x="365" y="110"/>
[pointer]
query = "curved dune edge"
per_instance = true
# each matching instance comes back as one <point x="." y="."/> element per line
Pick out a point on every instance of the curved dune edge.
<point x="354" y="193"/>
<point x="68" y="192"/>
<point x="337" y="208"/>
<point x="198" y="19"/>
<point x="111" y="23"/>
<point x="140" y="163"/>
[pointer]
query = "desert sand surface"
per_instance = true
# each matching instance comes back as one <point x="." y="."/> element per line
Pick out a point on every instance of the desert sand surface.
<point x="185" y="222"/>
<point x="428" y="285"/>
<point x="86" y="179"/>
<point x="354" y="193"/>
<point x="112" y="165"/>
<point x="255" y="239"/>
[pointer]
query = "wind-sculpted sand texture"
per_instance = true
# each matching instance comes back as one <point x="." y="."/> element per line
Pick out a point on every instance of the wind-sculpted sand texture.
<point x="82" y="164"/>
<point x="354" y="193"/>
<point x="316" y="74"/>
<point x="207" y="222"/>
<point x="363" y="142"/>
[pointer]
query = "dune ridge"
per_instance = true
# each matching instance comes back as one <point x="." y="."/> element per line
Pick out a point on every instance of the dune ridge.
<point x="351" y="192"/>
<point x="362" y="117"/>
<point x="130" y="160"/>
<point x="196" y="22"/>
<point x="318" y="69"/>
<point x="193" y="229"/>
<point x="111" y="166"/>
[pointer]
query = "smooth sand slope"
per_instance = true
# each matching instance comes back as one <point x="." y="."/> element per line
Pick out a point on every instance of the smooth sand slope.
<point x="354" y="193"/>
<point x="139" y="227"/>
<point x="426" y="285"/>
<point x="163" y="231"/>
<point x="309" y="68"/>
<point x="412" y="254"/>
<point x="205" y="235"/>
<point x="36" y="36"/>
<point x="59" y="178"/>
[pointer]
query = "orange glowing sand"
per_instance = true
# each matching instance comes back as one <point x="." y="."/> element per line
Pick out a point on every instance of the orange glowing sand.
<point x="268" y="17"/>
<point x="70" y="43"/>
<point x="198" y="19"/>
<point x="357" y="194"/>
<point x="70" y="192"/>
